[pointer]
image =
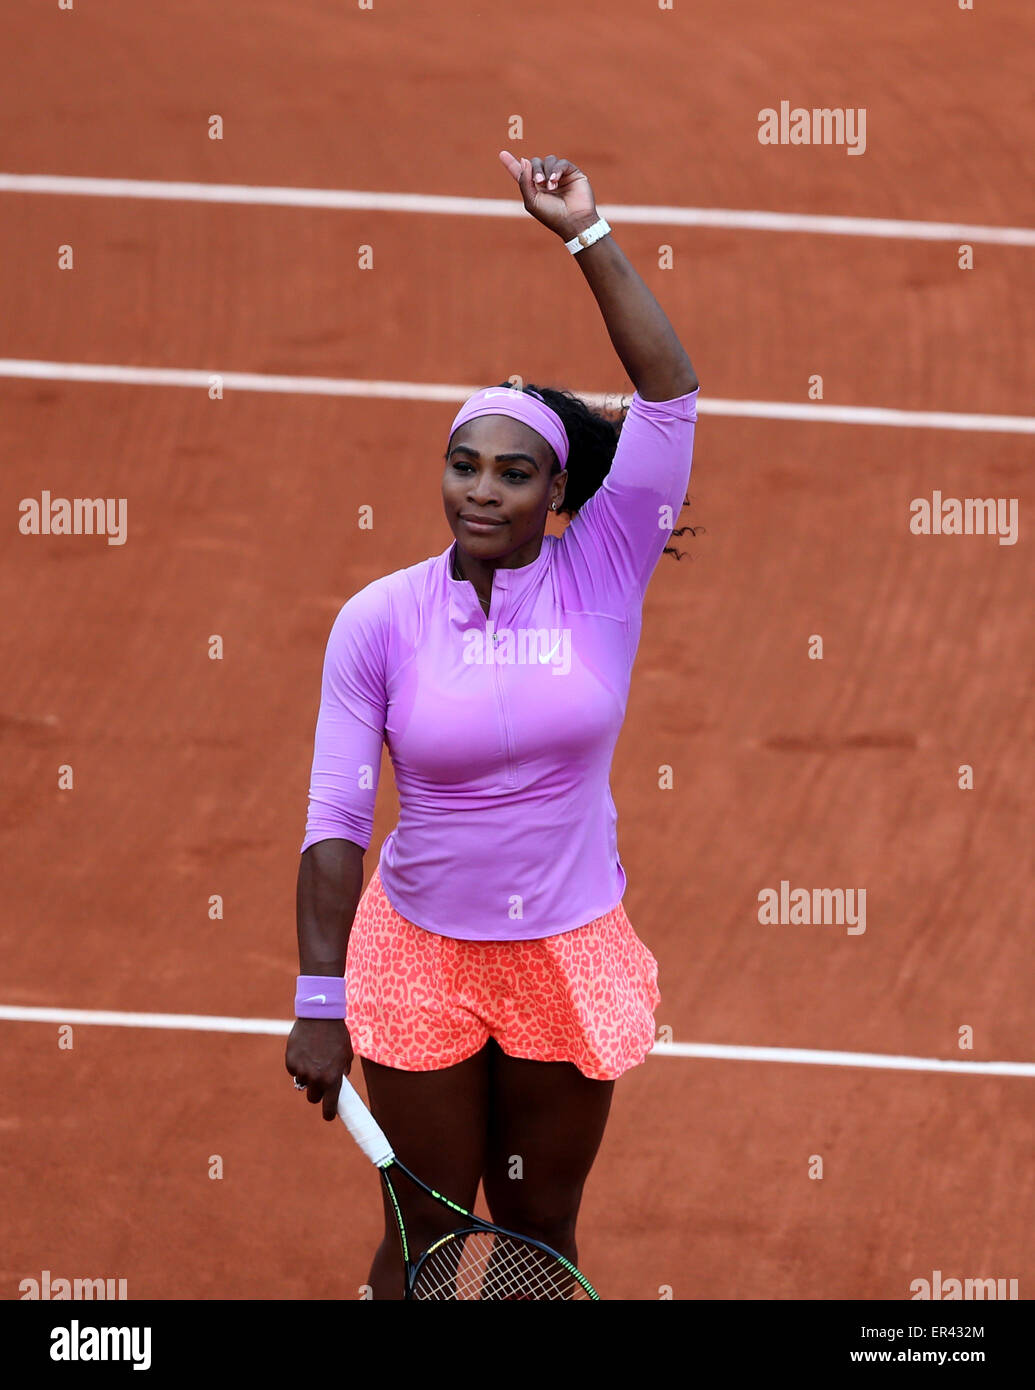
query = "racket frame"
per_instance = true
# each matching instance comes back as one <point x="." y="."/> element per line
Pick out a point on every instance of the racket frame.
<point x="372" y="1140"/>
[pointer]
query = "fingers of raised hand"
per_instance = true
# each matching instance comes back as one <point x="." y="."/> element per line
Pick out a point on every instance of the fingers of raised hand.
<point x="546" y="173"/>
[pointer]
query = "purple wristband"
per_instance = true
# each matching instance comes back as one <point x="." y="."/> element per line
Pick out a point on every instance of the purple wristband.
<point x="320" y="996"/>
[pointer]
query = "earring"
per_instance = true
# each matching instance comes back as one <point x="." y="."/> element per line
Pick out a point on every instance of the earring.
<point x="553" y="506"/>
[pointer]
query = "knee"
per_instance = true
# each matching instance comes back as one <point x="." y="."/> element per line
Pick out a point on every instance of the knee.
<point x="551" y="1222"/>
<point x="559" y="1235"/>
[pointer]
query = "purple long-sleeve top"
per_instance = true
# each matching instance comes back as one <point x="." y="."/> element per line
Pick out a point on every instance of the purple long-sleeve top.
<point x="501" y="730"/>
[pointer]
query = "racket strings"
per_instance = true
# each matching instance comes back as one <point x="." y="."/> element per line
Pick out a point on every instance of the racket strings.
<point x="483" y="1265"/>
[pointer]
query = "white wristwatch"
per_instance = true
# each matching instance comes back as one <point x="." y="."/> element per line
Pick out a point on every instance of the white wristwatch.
<point x="588" y="237"/>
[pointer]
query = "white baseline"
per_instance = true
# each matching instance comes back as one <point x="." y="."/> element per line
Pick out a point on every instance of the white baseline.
<point x="200" y="380"/>
<point x="351" y="200"/>
<point x="214" y="1023"/>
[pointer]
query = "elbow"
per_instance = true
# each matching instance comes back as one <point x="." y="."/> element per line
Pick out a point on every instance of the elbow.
<point x="679" y="379"/>
<point x="689" y="377"/>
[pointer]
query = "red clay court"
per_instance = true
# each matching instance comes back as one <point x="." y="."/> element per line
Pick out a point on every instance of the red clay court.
<point x="190" y="775"/>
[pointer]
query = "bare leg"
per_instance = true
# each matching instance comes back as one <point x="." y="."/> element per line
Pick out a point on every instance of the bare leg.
<point x="551" y="1118"/>
<point x="436" y="1121"/>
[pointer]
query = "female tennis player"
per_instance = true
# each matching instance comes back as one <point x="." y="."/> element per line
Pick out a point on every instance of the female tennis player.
<point x="492" y="984"/>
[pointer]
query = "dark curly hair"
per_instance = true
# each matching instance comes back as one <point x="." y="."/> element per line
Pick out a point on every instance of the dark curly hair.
<point x="592" y="441"/>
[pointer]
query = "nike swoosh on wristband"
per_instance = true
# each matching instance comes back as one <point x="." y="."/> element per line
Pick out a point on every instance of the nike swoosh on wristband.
<point x="315" y="999"/>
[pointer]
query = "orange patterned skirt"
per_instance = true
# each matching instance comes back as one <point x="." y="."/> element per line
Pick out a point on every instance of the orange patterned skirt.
<point x="420" y="1001"/>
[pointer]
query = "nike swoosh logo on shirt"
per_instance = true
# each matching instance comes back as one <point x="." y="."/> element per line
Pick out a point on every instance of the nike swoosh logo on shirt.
<point x="544" y="659"/>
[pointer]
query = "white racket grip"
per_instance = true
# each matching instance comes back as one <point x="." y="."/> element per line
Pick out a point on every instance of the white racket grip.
<point x="358" y="1120"/>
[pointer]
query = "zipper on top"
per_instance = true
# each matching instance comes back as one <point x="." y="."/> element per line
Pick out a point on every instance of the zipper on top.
<point x="511" y="777"/>
<point x="508" y="739"/>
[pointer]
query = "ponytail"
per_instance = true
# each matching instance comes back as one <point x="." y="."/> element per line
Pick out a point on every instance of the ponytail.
<point x="592" y="441"/>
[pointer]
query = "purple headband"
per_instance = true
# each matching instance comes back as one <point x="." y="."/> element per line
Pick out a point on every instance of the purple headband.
<point x="530" y="409"/>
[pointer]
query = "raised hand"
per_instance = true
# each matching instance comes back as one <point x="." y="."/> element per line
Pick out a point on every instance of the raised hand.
<point x="555" y="191"/>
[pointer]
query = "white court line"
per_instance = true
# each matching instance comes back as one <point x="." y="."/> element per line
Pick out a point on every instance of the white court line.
<point x="29" y="369"/>
<point x="349" y="200"/>
<point x="213" y="1023"/>
<point x="194" y="1023"/>
<point x="881" y="1060"/>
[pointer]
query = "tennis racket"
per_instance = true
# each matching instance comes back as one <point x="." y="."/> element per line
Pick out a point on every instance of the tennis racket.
<point x="476" y="1260"/>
